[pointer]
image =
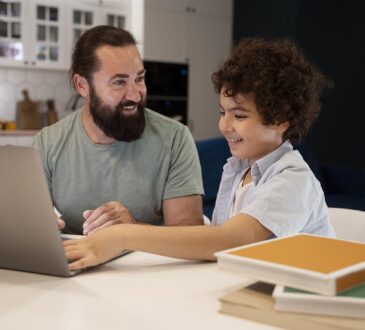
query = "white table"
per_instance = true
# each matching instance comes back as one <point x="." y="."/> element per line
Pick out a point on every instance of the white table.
<point x="138" y="291"/>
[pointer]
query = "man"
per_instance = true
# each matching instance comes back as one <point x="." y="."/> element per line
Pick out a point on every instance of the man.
<point x="114" y="161"/>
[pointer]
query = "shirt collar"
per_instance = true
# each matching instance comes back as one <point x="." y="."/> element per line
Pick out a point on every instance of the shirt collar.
<point x="260" y="166"/>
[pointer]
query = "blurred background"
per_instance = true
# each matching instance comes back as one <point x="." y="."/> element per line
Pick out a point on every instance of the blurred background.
<point x="182" y="43"/>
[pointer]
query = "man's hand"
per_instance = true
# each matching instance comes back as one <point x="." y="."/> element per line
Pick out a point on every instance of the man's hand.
<point x="60" y="223"/>
<point x="108" y="214"/>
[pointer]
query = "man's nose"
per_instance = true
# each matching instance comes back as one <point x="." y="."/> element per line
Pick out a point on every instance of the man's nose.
<point x="133" y="93"/>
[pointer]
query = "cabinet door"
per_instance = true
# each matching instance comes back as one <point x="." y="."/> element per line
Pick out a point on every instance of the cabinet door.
<point x="82" y="18"/>
<point x="172" y="5"/>
<point x="217" y="8"/>
<point x="117" y="16"/>
<point x="109" y="12"/>
<point x="13" y="33"/>
<point x="47" y="42"/>
<point x="209" y="45"/>
<point x="165" y="35"/>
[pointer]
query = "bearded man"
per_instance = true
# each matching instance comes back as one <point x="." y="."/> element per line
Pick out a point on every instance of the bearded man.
<point x="115" y="161"/>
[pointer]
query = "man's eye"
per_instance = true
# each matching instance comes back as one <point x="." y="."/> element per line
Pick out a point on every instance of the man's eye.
<point x="240" y="116"/>
<point x="140" y="79"/>
<point x="118" y="82"/>
<point x="221" y="113"/>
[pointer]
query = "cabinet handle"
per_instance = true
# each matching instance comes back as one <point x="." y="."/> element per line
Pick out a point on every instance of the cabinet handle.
<point x="26" y="62"/>
<point x="33" y="62"/>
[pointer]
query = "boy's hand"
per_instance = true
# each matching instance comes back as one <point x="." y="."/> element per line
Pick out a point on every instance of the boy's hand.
<point x="94" y="249"/>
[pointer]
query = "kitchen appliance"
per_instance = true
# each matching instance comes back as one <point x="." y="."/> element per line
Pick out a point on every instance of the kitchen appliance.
<point x="167" y="89"/>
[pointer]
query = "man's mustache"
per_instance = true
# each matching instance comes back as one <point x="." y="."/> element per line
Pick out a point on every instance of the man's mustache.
<point x="128" y="104"/>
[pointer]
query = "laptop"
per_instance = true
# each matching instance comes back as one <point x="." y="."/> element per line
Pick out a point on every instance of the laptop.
<point x="29" y="236"/>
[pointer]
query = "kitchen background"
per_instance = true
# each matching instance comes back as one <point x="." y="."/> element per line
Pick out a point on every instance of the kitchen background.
<point x="181" y="41"/>
<point x="187" y="39"/>
<point x="41" y="84"/>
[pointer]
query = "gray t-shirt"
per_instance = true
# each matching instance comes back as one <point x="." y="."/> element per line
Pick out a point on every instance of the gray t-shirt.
<point x="81" y="175"/>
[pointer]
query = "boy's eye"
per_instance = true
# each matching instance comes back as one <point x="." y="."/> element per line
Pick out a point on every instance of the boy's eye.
<point x="240" y="116"/>
<point x="221" y="113"/>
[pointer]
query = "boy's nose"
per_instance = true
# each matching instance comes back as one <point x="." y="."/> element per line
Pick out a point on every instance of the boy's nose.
<point x="224" y="124"/>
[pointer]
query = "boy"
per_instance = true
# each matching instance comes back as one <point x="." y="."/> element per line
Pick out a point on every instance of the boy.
<point x="269" y="96"/>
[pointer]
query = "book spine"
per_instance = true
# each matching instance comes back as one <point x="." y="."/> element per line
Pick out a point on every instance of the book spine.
<point x="350" y="280"/>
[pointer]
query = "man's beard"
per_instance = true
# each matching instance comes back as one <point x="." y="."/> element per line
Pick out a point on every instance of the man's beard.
<point x="113" y="122"/>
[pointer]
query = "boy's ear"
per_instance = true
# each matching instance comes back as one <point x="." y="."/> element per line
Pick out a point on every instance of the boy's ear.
<point x="282" y="127"/>
<point x="81" y="85"/>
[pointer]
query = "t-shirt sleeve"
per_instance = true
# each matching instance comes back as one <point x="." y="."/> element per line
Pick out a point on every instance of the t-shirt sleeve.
<point x="283" y="204"/>
<point x="39" y="145"/>
<point x="184" y="176"/>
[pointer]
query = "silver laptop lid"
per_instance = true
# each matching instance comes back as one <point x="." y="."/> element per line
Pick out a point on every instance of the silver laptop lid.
<point x="29" y="237"/>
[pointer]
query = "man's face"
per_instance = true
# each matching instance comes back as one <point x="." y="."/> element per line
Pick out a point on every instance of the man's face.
<point x="117" y="93"/>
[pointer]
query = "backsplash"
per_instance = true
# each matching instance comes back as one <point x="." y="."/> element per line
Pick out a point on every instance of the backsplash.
<point x="41" y="84"/>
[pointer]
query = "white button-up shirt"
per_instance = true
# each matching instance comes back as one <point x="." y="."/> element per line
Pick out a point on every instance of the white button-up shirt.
<point x="285" y="196"/>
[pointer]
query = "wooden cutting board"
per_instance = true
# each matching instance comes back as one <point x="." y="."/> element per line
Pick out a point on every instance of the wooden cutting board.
<point x="28" y="114"/>
<point x="52" y="116"/>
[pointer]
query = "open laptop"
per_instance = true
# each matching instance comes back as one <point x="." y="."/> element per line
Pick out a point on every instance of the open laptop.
<point x="29" y="237"/>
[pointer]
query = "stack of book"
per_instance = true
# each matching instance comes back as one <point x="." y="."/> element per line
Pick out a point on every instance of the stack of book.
<point x="306" y="281"/>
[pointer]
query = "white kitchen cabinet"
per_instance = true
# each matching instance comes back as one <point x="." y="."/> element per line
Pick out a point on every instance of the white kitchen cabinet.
<point x="210" y="44"/>
<point x="41" y="33"/>
<point x="85" y="14"/>
<point x="220" y="8"/>
<point x="197" y="32"/>
<point x="32" y="34"/>
<point x="166" y="35"/>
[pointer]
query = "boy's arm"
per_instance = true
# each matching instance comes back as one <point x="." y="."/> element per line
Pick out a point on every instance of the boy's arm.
<point x="188" y="242"/>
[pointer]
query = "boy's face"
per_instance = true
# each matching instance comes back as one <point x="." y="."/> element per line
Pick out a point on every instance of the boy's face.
<point x="242" y="126"/>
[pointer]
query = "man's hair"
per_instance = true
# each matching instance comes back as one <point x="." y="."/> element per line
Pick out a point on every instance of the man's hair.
<point x="286" y="87"/>
<point x="84" y="59"/>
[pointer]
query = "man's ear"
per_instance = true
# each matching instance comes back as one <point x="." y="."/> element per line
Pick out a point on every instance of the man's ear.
<point x="81" y="85"/>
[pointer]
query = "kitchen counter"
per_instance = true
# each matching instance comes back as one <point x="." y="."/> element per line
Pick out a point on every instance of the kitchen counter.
<point x="18" y="132"/>
<point x="17" y="137"/>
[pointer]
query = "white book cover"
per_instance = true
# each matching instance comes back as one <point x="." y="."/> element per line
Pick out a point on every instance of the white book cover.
<point x="349" y="303"/>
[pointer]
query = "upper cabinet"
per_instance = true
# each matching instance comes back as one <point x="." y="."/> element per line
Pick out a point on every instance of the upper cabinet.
<point x="201" y="7"/>
<point x="42" y="33"/>
<point x="85" y="14"/>
<point x="31" y="33"/>
<point x="173" y="44"/>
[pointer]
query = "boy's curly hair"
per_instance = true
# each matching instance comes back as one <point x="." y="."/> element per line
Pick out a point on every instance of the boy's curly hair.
<point x="286" y="87"/>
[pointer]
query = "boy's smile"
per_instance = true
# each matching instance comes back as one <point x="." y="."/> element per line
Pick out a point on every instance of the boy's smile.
<point x="242" y="126"/>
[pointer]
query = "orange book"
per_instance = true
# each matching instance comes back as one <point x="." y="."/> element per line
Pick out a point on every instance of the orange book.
<point x="314" y="263"/>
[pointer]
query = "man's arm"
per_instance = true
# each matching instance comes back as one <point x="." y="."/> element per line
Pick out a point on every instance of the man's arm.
<point x="180" y="211"/>
<point x="183" y="211"/>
